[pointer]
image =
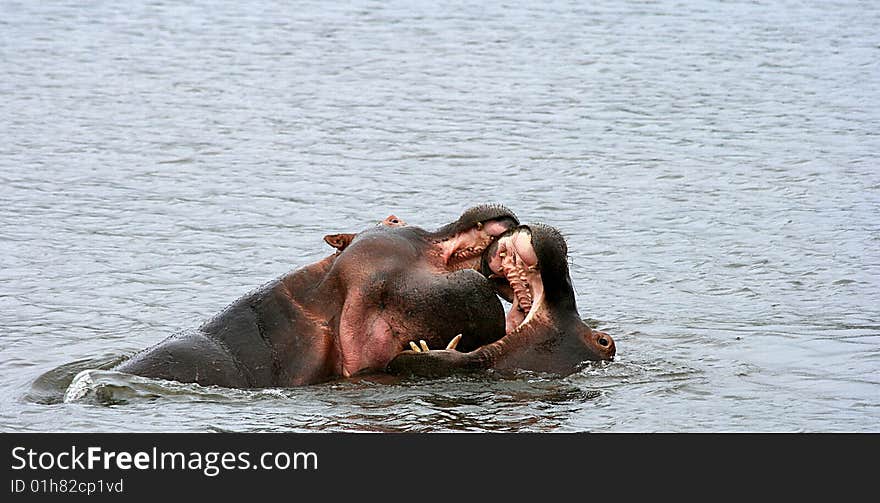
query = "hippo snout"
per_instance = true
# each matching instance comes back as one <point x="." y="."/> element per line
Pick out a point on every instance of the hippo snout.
<point x="603" y="343"/>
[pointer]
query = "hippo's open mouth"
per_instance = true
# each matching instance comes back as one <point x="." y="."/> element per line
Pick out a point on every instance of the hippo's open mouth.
<point x="464" y="250"/>
<point x="512" y="264"/>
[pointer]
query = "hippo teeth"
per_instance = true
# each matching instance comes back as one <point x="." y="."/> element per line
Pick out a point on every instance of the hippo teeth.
<point x="517" y="274"/>
<point x="469" y="252"/>
<point x="523" y="293"/>
<point x="526" y="303"/>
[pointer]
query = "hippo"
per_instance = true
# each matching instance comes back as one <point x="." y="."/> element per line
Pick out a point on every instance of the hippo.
<point x="529" y="267"/>
<point x="349" y="313"/>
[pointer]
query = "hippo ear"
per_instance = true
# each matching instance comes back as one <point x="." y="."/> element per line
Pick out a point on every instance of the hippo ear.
<point x="339" y="241"/>
<point x="393" y="221"/>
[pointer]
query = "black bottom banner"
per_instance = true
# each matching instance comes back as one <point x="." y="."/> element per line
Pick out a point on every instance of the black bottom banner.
<point x="403" y="466"/>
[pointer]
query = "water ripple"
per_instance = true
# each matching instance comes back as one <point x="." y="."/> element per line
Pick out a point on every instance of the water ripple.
<point x="713" y="167"/>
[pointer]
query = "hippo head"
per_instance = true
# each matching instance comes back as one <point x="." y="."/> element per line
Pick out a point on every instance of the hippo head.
<point x="454" y="246"/>
<point x="342" y="240"/>
<point x="529" y="267"/>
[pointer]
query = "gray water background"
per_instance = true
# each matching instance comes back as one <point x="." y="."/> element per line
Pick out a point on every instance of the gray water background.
<point x="715" y="167"/>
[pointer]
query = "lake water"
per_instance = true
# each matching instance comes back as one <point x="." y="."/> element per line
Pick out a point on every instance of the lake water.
<point x="715" y="167"/>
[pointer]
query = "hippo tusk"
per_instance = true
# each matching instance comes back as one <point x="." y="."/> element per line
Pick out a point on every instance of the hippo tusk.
<point x="424" y="345"/>
<point x="454" y="342"/>
<point x="414" y="347"/>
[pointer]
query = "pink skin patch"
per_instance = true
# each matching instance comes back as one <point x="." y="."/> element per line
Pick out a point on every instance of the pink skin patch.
<point x="365" y="339"/>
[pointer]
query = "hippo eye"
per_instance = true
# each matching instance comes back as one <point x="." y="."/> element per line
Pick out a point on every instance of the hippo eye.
<point x="395" y="221"/>
<point x="603" y="341"/>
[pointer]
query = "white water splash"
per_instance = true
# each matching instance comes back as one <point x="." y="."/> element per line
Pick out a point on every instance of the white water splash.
<point x="80" y="387"/>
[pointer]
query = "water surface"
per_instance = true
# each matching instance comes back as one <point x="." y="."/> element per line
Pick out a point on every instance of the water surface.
<point x="715" y="167"/>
